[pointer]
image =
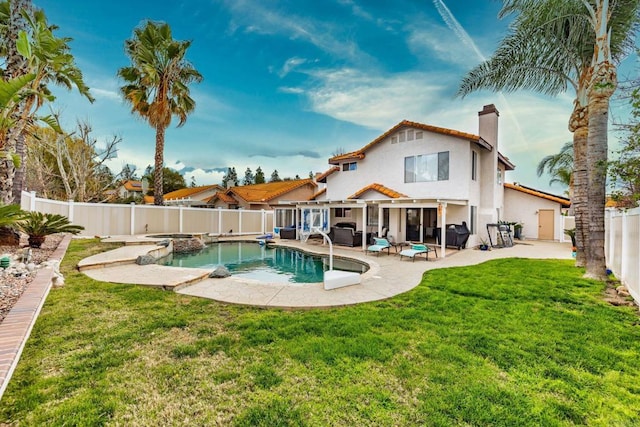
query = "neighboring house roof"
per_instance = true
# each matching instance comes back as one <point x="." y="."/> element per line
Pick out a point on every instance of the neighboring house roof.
<point x="148" y="200"/>
<point x="192" y="192"/>
<point x="323" y="177"/>
<point x="223" y="197"/>
<point x="360" y="154"/>
<point x="263" y="193"/>
<point x="559" y="199"/>
<point x="386" y="191"/>
<point x="131" y="185"/>
<point x="318" y="194"/>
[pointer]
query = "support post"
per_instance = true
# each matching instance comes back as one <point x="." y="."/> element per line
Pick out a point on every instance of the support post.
<point x="443" y="230"/>
<point x="364" y="227"/>
<point x="133" y="219"/>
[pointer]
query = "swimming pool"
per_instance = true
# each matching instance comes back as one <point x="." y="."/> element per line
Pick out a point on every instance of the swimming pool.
<point x="268" y="263"/>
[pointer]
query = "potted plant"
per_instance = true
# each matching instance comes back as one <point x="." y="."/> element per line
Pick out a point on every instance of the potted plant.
<point x="484" y="245"/>
<point x="38" y="226"/>
<point x="517" y="230"/>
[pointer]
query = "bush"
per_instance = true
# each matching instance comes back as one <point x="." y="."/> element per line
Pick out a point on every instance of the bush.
<point x="38" y="226"/>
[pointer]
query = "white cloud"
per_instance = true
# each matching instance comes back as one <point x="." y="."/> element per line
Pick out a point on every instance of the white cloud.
<point x="106" y="94"/>
<point x="259" y="19"/>
<point x="290" y="64"/>
<point x="374" y="101"/>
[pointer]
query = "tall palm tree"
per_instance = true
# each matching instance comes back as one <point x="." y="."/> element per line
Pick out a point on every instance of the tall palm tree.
<point x="31" y="47"/>
<point x="559" y="166"/>
<point x="156" y="84"/>
<point x="49" y="58"/>
<point x="551" y="45"/>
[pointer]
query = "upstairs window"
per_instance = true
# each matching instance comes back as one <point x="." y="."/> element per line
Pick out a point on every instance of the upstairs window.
<point x="474" y="165"/>
<point x="418" y="134"/>
<point x="427" y="167"/>
<point x="351" y="166"/>
<point x="410" y="135"/>
<point x="402" y="136"/>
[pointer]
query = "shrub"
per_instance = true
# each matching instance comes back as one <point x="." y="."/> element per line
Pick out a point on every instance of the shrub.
<point x="38" y="226"/>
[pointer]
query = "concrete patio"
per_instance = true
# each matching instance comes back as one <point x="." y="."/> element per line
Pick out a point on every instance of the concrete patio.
<point x="388" y="275"/>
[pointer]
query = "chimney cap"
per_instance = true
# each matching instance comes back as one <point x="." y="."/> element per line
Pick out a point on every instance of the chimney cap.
<point x="487" y="109"/>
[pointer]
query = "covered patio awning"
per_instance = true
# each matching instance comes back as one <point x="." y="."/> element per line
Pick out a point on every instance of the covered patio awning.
<point x="396" y="203"/>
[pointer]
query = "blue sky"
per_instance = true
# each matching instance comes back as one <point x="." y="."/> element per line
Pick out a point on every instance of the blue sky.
<point x="287" y="83"/>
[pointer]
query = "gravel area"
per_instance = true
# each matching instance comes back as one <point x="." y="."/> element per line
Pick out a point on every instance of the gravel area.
<point x="12" y="287"/>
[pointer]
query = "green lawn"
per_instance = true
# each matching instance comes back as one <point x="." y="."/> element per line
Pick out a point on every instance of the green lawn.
<point x="509" y="342"/>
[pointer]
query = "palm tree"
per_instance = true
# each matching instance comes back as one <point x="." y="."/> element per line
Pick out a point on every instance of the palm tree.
<point x="49" y="58"/>
<point x="30" y="47"/>
<point x="156" y="84"/>
<point x="559" y="166"/>
<point x="552" y="45"/>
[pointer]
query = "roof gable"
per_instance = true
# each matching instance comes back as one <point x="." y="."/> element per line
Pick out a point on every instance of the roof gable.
<point x="132" y="185"/>
<point x="558" y="199"/>
<point x="360" y="154"/>
<point x="263" y="193"/>
<point x="191" y="191"/>
<point x="385" y="191"/>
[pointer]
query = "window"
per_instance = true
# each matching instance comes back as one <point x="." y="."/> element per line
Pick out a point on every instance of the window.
<point x="401" y="136"/>
<point x="474" y="219"/>
<point x="474" y="165"/>
<point x="284" y="217"/>
<point x="349" y="166"/>
<point x="418" y="134"/>
<point x="394" y="139"/>
<point x="343" y="212"/>
<point x="427" y="167"/>
<point x="372" y="215"/>
<point x="410" y="135"/>
<point x="499" y="176"/>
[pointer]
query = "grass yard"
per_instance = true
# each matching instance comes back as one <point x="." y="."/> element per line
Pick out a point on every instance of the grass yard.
<point x="509" y="342"/>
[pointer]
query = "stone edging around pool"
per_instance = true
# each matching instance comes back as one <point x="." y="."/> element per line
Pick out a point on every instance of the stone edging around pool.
<point x="118" y="265"/>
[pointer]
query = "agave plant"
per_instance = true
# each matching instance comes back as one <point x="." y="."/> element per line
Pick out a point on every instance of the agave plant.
<point x="38" y="226"/>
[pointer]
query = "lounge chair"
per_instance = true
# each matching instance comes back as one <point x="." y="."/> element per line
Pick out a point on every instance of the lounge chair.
<point x="417" y="250"/>
<point x="379" y="246"/>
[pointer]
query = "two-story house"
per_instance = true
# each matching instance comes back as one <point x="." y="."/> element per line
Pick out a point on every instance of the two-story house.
<point x="415" y="178"/>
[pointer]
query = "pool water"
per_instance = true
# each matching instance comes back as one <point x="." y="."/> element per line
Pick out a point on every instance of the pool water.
<point x="265" y="263"/>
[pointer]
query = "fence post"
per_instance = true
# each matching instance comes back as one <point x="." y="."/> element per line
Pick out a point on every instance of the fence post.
<point x="70" y="210"/>
<point x="220" y="220"/>
<point x="181" y="217"/>
<point x="264" y="221"/>
<point x="624" y="266"/>
<point x="32" y="201"/>
<point x="133" y="218"/>
<point x="240" y="221"/>
<point x="612" y="235"/>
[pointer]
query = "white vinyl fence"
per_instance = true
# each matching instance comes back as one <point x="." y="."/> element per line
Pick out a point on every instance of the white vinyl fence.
<point x="622" y="247"/>
<point x="105" y="219"/>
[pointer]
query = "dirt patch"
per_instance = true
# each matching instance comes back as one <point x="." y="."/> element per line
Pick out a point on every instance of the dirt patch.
<point x="12" y="287"/>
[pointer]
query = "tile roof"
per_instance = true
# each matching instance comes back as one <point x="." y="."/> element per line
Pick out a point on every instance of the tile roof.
<point x="317" y="194"/>
<point x="262" y="193"/>
<point x="183" y="193"/>
<point x="558" y="199"/>
<point x="132" y="185"/>
<point x="360" y="154"/>
<point x="224" y="196"/>
<point x="148" y="200"/>
<point x="323" y="177"/>
<point x="386" y="191"/>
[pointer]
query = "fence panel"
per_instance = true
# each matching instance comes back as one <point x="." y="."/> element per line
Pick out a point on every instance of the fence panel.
<point x="622" y="247"/>
<point x="103" y="219"/>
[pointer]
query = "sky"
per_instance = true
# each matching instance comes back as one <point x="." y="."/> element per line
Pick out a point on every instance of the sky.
<point x="289" y="83"/>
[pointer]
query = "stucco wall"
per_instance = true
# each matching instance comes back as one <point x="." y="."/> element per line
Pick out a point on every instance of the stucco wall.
<point x="523" y="208"/>
<point x="384" y="164"/>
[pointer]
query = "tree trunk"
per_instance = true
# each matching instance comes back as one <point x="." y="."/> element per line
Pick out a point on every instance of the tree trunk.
<point x="579" y="125"/>
<point x="16" y="65"/>
<point x="600" y="92"/>
<point x="159" y="163"/>
<point x="20" y="174"/>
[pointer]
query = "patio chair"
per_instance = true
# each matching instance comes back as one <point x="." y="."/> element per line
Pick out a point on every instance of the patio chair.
<point x="379" y="246"/>
<point x="417" y="250"/>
